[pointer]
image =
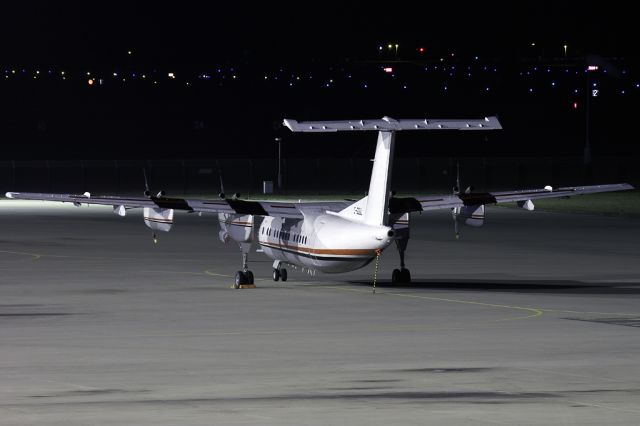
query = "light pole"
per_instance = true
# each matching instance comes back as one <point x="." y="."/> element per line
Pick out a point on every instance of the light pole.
<point x="279" y="141"/>
<point x="392" y="46"/>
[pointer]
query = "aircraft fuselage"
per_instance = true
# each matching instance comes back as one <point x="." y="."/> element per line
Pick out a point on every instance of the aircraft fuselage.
<point x="322" y="242"/>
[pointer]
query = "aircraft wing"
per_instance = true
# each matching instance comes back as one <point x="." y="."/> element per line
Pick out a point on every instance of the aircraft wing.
<point x="231" y="206"/>
<point x="435" y="202"/>
<point x="294" y="210"/>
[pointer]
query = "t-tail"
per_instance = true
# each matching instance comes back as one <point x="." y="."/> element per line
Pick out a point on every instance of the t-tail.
<point x="374" y="208"/>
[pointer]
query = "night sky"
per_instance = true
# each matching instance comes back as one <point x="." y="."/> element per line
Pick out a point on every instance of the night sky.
<point x="239" y="69"/>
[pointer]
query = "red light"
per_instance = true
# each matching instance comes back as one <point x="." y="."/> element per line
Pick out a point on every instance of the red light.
<point x="421" y="50"/>
<point x="575" y="105"/>
<point x="388" y="69"/>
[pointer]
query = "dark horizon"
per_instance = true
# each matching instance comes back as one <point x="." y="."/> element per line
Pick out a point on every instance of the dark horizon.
<point x="93" y="81"/>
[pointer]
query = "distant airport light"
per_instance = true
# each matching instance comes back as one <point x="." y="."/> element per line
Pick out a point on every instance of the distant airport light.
<point x="90" y="81"/>
<point x="388" y="69"/>
<point x="592" y="68"/>
<point x="421" y="49"/>
<point x="171" y="75"/>
<point x="575" y="105"/>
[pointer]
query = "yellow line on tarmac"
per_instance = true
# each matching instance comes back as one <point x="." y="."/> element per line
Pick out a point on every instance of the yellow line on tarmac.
<point x="35" y="256"/>
<point x="213" y="274"/>
<point x="566" y="311"/>
<point x="535" y="311"/>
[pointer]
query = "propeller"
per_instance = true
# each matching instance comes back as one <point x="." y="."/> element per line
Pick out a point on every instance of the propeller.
<point x="456" y="210"/>
<point x="456" y="187"/>
<point x="221" y="193"/>
<point x="147" y="192"/>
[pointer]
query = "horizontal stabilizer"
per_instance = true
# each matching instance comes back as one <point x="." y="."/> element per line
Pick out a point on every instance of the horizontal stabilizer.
<point x="390" y="124"/>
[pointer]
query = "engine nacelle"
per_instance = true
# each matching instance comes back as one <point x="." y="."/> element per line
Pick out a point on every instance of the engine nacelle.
<point x="224" y="236"/>
<point x="527" y="205"/>
<point x="472" y="215"/>
<point x="236" y="227"/>
<point x="158" y="219"/>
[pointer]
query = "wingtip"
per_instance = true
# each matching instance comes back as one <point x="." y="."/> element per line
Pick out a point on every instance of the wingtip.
<point x="290" y="123"/>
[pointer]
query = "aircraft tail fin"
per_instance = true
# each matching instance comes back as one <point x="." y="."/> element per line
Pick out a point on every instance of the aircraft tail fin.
<point x="376" y="204"/>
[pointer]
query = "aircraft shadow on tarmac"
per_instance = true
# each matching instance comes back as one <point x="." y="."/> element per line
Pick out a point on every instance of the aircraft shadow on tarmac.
<point x="511" y="286"/>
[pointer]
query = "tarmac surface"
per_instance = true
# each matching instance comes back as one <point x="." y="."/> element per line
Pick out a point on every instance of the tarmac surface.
<point x="533" y="319"/>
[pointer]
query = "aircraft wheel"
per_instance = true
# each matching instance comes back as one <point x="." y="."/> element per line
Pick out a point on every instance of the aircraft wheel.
<point x="249" y="276"/>
<point x="241" y="278"/>
<point x="395" y="276"/>
<point x="283" y="274"/>
<point x="405" y="276"/>
<point x="276" y="275"/>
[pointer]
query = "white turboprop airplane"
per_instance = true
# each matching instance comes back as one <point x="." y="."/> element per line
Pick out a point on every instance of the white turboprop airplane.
<point x="331" y="236"/>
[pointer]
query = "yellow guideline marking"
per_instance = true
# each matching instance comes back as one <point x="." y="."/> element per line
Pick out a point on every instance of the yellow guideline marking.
<point x="213" y="274"/>
<point x="565" y="311"/>
<point x="536" y="312"/>
<point x="35" y="256"/>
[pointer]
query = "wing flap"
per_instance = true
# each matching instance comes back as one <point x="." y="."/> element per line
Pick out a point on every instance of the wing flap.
<point x="438" y="202"/>
<point x="510" y="196"/>
<point x="230" y="206"/>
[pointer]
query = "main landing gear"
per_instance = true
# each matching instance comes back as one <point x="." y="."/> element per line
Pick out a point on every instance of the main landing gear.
<point x="279" y="272"/>
<point x="245" y="276"/>
<point x="402" y="275"/>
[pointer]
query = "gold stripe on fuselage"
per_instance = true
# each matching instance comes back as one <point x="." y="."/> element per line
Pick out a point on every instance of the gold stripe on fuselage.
<point x="309" y="250"/>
